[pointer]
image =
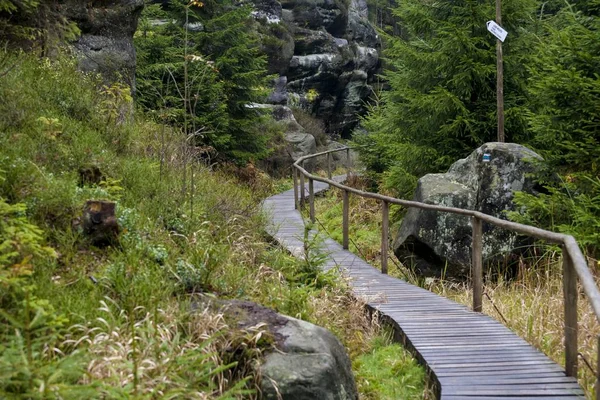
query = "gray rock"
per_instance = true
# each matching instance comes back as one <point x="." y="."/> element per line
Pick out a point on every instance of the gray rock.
<point x="296" y="143"/>
<point x="312" y="364"/>
<point x="300" y="143"/>
<point x="436" y="244"/>
<point x="305" y="361"/>
<point x="106" y="42"/>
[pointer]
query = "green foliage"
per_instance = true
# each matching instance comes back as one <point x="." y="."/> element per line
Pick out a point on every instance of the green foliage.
<point x="442" y="100"/>
<point x="564" y="120"/>
<point x="21" y="243"/>
<point x="388" y="372"/>
<point x="203" y="72"/>
<point x="34" y="23"/>
<point x="149" y="336"/>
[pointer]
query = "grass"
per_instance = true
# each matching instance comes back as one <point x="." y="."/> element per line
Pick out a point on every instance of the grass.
<point x="78" y="321"/>
<point x="532" y="303"/>
<point x="401" y="378"/>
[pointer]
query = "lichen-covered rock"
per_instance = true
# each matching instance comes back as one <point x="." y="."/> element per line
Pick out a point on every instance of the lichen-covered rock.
<point x="436" y="244"/>
<point x="106" y="41"/>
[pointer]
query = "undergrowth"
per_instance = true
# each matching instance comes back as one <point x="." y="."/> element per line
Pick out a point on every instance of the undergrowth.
<point x="127" y="321"/>
<point x="531" y="304"/>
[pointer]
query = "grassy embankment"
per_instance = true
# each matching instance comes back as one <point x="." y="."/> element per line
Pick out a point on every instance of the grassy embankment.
<point x="124" y="321"/>
<point x="532" y="303"/>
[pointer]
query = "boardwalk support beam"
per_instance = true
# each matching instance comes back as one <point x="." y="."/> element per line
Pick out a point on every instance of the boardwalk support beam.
<point x="345" y="222"/>
<point x="477" y="264"/>
<point x="385" y="227"/>
<point x="570" y="301"/>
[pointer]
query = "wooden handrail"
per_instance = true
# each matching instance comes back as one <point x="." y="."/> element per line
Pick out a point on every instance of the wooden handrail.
<point x="574" y="264"/>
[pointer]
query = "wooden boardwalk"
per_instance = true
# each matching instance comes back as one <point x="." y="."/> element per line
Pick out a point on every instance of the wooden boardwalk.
<point x="470" y="355"/>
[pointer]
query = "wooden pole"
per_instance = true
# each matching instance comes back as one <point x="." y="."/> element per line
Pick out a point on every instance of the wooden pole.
<point x="570" y="303"/>
<point x="311" y="199"/>
<point x="302" y="189"/>
<point x="348" y="160"/>
<point x="295" y="174"/>
<point x="500" y="76"/>
<point x="477" y="264"/>
<point x="345" y="219"/>
<point x="597" y="387"/>
<point x="329" y="165"/>
<point x="385" y="227"/>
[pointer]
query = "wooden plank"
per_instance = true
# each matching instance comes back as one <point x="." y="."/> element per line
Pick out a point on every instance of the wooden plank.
<point x="544" y="397"/>
<point x="519" y="380"/>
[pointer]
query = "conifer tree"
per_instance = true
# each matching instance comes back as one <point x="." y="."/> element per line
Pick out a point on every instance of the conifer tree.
<point x="442" y="98"/>
<point x="565" y="121"/>
<point x="227" y="71"/>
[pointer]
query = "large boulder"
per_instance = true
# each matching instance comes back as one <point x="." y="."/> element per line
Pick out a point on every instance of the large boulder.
<point x="305" y="361"/>
<point x="106" y="42"/>
<point x="439" y="244"/>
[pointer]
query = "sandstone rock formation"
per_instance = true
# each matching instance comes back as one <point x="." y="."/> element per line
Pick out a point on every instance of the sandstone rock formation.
<point x="326" y="53"/>
<point x="436" y="244"/>
<point x="106" y="41"/>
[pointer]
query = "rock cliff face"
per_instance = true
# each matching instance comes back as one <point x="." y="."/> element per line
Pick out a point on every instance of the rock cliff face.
<point x="326" y="54"/>
<point x="106" y="41"/>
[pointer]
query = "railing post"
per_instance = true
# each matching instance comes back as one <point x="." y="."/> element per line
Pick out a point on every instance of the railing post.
<point x="329" y="165"/>
<point x="385" y="226"/>
<point x="570" y="296"/>
<point x="295" y="174"/>
<point x="348" y="159"/>
<point x="477" y="264"/>
<point x="597" y="387"/>
<point x="345" y="221"/>
<point x="302" y="189"/>
<point x="311" y="199"/>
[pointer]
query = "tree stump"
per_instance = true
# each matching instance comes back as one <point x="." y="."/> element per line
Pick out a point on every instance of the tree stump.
<point x="100" y="223"/>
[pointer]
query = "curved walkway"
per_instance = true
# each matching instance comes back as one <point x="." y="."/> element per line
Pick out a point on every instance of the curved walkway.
<point x="470" y="355"/>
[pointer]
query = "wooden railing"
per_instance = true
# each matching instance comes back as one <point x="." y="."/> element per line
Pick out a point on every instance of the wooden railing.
<point x="574" y="264"/>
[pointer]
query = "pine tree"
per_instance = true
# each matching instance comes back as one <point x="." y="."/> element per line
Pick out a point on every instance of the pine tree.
<point x="565" y="120"/>
<point x="225" y="68"/>
<point x="442" y="98"/>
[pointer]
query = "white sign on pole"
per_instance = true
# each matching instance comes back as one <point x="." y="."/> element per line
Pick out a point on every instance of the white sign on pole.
<point x="497" y="30"/>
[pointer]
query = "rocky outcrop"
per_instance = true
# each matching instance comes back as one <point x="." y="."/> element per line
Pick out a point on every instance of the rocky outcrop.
<point x="308" y="362"/>
<point x="106" y="41"/>
<point x="297" y="143"/>
<point x="436" y="244"/>
<point x="326" y="52"/>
